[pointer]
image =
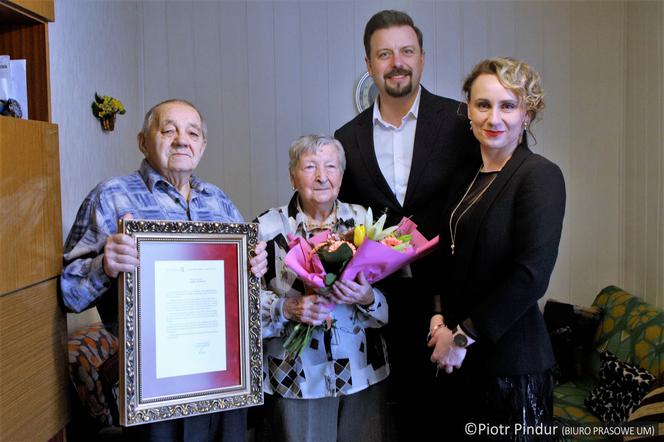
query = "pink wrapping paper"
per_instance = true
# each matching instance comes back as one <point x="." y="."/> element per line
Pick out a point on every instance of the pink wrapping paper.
<point x="375" y="259"/>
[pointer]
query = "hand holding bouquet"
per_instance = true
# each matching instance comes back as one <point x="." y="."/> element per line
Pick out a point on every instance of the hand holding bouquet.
<point x="333" y="254"/>
<point x="368" y="253"/>
<point x="310" y="312"/>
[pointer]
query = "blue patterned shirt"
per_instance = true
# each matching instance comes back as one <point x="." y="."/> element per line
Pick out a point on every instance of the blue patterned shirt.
<point x="146" y="195"/>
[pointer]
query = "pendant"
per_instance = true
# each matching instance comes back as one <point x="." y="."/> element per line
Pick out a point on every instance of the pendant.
<point x="452" y="247"/>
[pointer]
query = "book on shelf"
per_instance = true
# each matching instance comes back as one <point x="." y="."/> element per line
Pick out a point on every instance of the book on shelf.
<point x="13" y="82"/>
<point x="5" y="77"/>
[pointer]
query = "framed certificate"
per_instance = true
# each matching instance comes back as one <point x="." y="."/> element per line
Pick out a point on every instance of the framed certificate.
<point x="189" y="327"/>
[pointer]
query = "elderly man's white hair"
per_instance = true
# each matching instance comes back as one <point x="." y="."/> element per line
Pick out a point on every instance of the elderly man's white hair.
<point x="149" y="116"/>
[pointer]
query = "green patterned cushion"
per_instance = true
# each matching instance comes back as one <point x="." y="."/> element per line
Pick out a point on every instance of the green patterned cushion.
<point x="568" y="401"/>
<point x="631" y="329"/>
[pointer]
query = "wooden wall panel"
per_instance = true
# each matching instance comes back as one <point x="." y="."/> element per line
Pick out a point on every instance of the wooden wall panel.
<point x="30" y="232"/>
<point x="42" y="9"/>
<point x="33" y="376"/>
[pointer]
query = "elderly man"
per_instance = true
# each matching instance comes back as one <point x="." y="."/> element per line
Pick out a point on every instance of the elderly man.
<point x="401" y="154"/>
<point x="173" y="140"/>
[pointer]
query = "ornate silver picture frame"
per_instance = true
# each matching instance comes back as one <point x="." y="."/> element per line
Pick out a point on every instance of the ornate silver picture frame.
<point x="189" y="322"/>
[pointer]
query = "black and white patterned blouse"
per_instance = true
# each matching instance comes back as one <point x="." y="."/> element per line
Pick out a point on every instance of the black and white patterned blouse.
<point x="344" y="360"/>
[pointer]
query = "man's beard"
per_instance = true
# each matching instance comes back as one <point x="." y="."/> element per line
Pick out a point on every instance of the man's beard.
<point x="397" y="92"/>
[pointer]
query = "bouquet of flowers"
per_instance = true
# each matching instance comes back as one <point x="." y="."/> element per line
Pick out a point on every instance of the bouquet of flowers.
<point x="368" y="248"/>
<point x="379" y="252"/>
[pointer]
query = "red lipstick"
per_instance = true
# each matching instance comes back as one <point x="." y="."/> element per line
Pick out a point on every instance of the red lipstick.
<point x="493" y="133"/>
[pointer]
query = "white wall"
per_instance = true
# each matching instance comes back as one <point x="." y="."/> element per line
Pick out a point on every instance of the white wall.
<point x="265" y="72"/>
<point x="93" y="48"/>
<point x="643" y="155"/>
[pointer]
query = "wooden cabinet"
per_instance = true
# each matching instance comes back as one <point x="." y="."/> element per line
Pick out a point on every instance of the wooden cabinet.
<point x="41" y="10"/>
<point x="31" y="230"/>
<point x="34" y="383"/>
<point x="33" y="332"/>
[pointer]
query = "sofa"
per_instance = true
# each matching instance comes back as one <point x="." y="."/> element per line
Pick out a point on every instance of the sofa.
<point x="93" y="371"/>
<point x="630" y="329"/>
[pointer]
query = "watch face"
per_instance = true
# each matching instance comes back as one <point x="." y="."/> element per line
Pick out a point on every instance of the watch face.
<point x="460" y="340"/>
<point x="365" y="92"/>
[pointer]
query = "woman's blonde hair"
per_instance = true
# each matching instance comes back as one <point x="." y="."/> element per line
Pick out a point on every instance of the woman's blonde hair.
<point x="516" y="76"/>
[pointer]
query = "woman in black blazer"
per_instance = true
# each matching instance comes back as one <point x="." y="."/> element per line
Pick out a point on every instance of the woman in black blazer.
<point x="498" y="245"/>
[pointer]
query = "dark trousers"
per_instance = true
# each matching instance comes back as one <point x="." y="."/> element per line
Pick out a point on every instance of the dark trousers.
<point x="471" y="397"/>
<point x="225" y="426"/>
<point x="411" y="380"/>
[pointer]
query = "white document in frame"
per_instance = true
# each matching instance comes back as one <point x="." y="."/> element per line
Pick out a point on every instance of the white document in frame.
<point x="190" y="317"/>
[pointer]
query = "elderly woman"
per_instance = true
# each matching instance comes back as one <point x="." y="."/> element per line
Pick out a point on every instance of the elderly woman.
<point x="332" y="391"/>
<point x="499" y="242"/>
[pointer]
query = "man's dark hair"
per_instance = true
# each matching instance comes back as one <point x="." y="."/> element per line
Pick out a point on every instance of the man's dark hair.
<point x="388" y="19"/>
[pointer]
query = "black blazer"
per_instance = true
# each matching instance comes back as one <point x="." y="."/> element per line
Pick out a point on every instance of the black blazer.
<point x="444" y="145"/>
<point x="505" y="249"/>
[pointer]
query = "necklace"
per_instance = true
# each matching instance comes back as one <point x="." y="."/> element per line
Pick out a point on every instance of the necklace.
<point x="453" y="231"/>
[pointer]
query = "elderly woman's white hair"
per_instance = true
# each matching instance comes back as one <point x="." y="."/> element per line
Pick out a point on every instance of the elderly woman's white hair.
<point x="312" y="144"/>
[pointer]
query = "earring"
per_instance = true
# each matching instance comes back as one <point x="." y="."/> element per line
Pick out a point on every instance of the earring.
<point x="471" y="125"/>
<point x="525" y="125"/>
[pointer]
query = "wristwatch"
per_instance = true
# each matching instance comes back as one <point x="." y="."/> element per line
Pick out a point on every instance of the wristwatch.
<point x="459" y="338"/>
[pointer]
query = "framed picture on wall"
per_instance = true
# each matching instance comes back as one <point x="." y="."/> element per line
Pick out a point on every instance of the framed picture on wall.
<point x="366" y="92"/>
<point x="190" y="333"/>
